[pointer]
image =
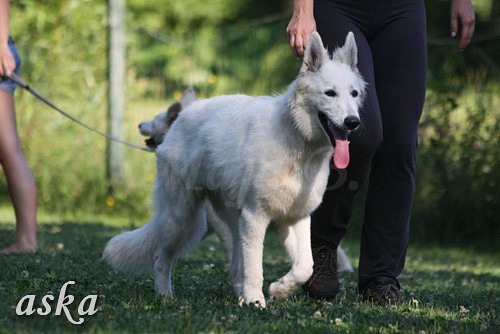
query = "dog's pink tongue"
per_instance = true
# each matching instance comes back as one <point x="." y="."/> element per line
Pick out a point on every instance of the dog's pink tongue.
<point x="341" y="153"/>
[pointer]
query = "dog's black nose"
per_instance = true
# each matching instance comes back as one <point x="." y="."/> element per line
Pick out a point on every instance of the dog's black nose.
<point x="352" y="122"/>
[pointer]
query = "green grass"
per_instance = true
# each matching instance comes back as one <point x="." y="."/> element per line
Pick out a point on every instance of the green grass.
<point x="446" y="290"/>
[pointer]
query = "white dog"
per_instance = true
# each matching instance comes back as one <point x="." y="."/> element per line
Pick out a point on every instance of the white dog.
<point x="254" y="159"/>
<point x="158" y="127"/>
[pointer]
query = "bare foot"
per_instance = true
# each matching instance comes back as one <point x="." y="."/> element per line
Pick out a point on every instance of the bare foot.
<point x="19" y="248"/>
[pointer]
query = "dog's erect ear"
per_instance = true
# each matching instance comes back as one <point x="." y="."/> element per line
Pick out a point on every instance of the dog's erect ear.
<point x="188" y="97"/>
<point x="173" y="112"/>
<point x="315" y="54"/>
<point x="348" y="54"/>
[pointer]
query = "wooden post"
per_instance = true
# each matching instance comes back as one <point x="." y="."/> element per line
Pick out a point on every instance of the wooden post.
<point x="116" y="88"/>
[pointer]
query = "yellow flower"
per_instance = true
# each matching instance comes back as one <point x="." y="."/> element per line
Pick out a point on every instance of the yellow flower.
<point x="110" y="201"/>
<point x="212" y="79"/>
<point x="177" y="95"/>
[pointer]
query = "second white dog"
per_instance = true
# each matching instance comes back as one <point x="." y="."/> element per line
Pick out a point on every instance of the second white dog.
<point x="254" y="159"/>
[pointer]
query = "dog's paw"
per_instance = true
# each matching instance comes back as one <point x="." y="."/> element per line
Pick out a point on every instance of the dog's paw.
<point x="278" y="290"/>
<point x="261" y="304"/>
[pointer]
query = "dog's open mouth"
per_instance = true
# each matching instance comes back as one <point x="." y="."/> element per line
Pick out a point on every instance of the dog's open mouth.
<point x="341" y="153"/>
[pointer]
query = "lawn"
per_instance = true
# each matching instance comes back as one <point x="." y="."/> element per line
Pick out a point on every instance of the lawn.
<point x="446" y="290"/>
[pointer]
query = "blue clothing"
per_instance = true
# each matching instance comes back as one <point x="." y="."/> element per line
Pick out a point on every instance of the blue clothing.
<point x="6" y="83"/>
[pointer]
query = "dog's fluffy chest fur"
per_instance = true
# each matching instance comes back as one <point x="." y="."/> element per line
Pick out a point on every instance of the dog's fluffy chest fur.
<point x="292" y="191"/>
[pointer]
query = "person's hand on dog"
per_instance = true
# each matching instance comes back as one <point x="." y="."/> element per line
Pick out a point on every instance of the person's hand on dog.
<point x="462" y="13"/>
<point x="301" y="26"/>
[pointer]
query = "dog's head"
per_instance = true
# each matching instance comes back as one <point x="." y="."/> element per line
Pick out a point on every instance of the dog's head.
<point x="159" y="126"/>
<point x="333" y="87"/>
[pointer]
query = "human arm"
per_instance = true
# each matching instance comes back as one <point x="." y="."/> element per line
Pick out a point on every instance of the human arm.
<point x="7" y="62"/>
<point x="462" y="13"/>
<point x="301" y="25"/>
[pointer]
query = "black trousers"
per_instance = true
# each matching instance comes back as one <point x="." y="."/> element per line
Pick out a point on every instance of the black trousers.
<point x="392" y="57"/>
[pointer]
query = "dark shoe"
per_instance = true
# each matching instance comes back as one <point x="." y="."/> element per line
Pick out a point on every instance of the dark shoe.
<point x="324" y="282"/>
<point x="383" y="291"/>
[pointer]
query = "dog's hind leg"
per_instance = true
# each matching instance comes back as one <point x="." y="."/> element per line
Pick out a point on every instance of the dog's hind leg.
<point x="221" y="227"/>
<point x="163" y="272"/>
<point x="180" y="233"/>
<point x="297" y="241"/>
<point x="224" y="220"/>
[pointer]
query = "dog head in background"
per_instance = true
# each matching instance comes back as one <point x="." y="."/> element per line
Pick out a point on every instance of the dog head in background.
<point x="159" y="126"/>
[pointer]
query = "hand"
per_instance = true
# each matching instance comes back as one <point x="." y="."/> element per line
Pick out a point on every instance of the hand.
<point x="462" y="10"/>
<point x="300" y="27"/>
<point x="7" y="61"/>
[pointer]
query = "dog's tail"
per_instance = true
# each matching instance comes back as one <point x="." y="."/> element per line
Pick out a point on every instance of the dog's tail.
<point x="133" y="251"/>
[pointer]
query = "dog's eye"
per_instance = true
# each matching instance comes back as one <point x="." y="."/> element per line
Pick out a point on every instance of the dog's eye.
<point x="331" y="93"/>
<point x="354" y="93"/>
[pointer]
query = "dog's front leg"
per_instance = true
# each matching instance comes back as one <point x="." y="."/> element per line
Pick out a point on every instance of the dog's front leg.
<point x="252" y="228"/>
<point x="297" y="240"/>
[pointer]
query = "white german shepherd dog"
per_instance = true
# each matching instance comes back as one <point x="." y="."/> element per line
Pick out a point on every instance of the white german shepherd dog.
<point x="255" y="160"/>
<point x="158" y="127"/>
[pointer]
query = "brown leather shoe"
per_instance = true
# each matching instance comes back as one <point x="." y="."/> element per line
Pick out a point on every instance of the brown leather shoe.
<point x="324" y="282"/>
<point x="383" y="291"/>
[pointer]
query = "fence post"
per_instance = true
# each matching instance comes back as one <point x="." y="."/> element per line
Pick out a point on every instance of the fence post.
<point x="116" y="88"/>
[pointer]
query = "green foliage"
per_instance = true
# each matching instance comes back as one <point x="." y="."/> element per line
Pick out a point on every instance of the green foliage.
<point x="192" y="14"/>
<point x="458" y="158"/>
<point x="459" y="165"/>
<point x="63" y="46"/>
<point x="253" y="58"/>
<point x="446" y="291"/>
<point x="221" y="47"/>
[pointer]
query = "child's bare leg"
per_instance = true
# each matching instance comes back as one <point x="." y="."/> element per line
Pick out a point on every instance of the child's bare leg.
<point x="20" y="180"/>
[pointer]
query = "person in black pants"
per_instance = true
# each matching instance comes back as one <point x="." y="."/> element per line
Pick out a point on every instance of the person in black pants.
<point x="392" y="58"/>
